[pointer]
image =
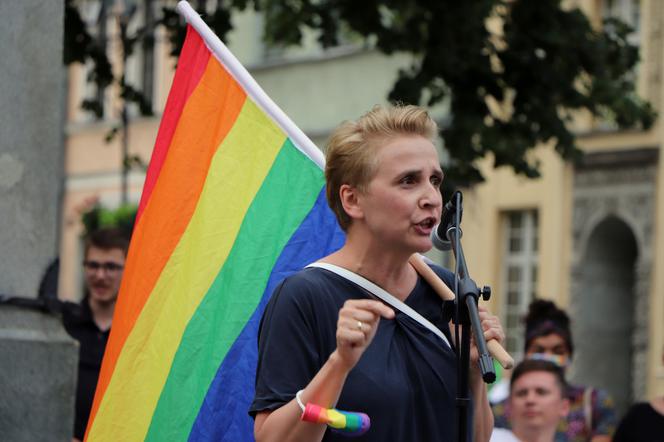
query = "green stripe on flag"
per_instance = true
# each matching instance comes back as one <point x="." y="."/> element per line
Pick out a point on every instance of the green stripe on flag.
<point x="290" y="190"/>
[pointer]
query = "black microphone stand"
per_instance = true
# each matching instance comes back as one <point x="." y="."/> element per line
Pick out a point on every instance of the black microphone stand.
<point x="466" y="315"/>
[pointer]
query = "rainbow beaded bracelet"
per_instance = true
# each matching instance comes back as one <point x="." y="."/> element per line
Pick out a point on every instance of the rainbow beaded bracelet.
<point x="344" y="422"/>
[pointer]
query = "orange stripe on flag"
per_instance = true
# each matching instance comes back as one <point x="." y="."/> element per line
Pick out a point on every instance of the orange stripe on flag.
<point x="208" y="116"/>
<point x="192" y="63"/>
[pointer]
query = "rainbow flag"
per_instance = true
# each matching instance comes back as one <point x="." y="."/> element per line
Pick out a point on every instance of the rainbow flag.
<point x="233" y="202"/>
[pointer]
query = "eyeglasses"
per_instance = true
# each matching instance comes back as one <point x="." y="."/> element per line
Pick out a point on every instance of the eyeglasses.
<point x="108" y="267"/>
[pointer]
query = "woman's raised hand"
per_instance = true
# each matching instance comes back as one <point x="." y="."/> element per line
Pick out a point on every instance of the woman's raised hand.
<point x="491" y="325"/>
<point x="492" y="330"/>
<point x="356" y="328"/>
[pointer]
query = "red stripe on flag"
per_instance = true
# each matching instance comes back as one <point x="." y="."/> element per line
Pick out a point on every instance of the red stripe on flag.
<point x="191" y="66"/>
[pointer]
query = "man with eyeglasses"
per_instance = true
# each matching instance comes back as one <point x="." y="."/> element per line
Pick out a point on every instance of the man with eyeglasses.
<point x="90" y="321"/>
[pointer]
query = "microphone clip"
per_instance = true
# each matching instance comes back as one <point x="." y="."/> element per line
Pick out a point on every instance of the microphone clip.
<point x="441" y="235"/>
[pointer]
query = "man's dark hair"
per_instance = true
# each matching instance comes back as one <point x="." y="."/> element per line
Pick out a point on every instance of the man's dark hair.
<point x="531" y="365"/>
<point x="107" y="239"/>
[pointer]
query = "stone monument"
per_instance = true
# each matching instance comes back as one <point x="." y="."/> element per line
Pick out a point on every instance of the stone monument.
<point x="38" y="360"/>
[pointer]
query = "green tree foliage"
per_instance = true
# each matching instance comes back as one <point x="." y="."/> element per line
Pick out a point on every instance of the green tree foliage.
<point x="98" y="217"/>
<point x="82" y="46"/>
<point x="544" y="64"/>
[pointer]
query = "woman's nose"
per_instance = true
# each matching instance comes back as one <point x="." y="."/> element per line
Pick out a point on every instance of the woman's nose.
<point x="431" y="196"/>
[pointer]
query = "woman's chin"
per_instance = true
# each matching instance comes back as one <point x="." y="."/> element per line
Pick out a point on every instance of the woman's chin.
<point x="423" y="246"/>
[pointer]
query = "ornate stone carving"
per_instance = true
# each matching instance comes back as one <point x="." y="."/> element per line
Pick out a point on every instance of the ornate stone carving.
<point x="627" y="193"/>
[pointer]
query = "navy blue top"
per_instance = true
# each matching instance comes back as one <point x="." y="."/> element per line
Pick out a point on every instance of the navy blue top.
<point x="405" y="380"/>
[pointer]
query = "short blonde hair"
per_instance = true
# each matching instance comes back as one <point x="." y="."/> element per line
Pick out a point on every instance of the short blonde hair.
<point x="350" y="154"/>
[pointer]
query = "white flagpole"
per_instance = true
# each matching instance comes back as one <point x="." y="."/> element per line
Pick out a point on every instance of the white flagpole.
<point x="242" y="76"/>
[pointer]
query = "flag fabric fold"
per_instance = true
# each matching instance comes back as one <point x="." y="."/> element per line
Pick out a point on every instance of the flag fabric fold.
<point x="233" y="202"/>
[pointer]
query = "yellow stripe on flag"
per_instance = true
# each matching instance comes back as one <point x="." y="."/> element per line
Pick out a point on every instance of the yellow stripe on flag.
<point x="238" y="169"/>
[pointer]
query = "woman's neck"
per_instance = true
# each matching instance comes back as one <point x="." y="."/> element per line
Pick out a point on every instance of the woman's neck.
<point x="388" y="269"/>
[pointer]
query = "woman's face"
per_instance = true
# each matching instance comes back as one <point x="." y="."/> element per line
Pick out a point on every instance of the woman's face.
<point x="552" y="345"/>
<point x="402" y="203"/>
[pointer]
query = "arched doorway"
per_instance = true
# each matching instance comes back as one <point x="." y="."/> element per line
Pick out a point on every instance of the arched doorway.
<point x="604" y="310"/>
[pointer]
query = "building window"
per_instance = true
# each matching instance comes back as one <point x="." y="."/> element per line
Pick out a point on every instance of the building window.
<point x="103" y="19"/>
<point x="140" y="69"/>
<point x="92" y="101"/>
<point x="628" y="11"/>
<point x="519" y="274"/>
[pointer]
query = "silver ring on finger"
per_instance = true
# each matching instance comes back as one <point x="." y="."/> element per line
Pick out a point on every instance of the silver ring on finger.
<point x="360" y="325"/>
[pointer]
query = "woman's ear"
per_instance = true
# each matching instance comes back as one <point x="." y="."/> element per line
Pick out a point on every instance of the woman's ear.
<point x="350" y="201"/>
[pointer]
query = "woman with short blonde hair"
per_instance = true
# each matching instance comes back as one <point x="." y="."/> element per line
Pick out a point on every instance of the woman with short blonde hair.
<point x="325" y="340"/>
<point x="350" y="155"/>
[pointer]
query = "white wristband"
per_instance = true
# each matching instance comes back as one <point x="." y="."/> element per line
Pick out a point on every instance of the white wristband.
<point x="299" y="401"/>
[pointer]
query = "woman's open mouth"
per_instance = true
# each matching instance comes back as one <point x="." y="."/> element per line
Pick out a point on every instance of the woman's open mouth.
<point x="426" y="226"/>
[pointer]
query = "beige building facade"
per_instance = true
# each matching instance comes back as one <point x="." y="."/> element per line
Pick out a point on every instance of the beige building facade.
<point x="588" y="236"/>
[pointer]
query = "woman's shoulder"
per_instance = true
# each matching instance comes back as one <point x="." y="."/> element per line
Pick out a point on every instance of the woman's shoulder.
<point x="641" y="407"/>
<point x="446" y="275"/>
<point x="308" y="285"/>
<point x="308" y="278"/>
<point x="305" y="294"/>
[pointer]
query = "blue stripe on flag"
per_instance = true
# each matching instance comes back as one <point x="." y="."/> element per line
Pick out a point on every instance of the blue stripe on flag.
<point x="224" y="413"/>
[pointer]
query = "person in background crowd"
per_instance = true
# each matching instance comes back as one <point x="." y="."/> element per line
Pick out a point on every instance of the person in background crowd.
<point x="89" y="322"/>
<point x="548" y="336"/>
<point x="538" y="402"/>
<point x="643" y="422"/>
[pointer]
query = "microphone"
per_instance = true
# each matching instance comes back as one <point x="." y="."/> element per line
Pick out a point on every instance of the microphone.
<point x="439" y="236"/>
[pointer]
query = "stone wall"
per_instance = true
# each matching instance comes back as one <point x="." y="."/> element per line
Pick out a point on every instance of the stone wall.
<point x="37" y="358"/>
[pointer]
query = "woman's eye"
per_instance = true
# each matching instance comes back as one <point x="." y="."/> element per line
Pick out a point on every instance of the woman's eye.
<point x="408" y="179"/>
<point x="436" y="181"/>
